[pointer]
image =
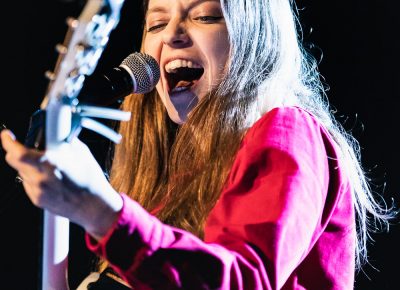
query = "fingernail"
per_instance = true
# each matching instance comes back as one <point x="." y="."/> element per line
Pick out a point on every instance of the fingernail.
<point x="11" y="134"/>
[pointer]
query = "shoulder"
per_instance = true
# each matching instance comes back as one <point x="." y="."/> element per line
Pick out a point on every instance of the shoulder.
<point x="288" y="117"/>
<point x="290" y="138"/>
<point x="287" y="128"/>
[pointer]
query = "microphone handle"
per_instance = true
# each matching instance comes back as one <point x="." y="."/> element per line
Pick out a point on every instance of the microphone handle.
<point x="106" y="89"/>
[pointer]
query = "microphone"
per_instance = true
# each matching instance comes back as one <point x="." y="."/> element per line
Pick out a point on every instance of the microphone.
<point x="138" y="73"/>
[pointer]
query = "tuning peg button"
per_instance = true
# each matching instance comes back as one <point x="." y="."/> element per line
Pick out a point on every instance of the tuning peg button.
<point x="50" y="75"/>
<point x="72" y="22"/>
<point x="61" y="49"/>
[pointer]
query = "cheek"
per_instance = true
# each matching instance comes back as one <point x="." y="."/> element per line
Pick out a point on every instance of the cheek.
<point x="221" y="46"/>
<point x="160" y="91"/>
<point x="151" y="47"/>
<point x="218" y="51"/>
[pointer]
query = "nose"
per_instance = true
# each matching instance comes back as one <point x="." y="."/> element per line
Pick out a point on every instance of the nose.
<point x="175" y="34"/>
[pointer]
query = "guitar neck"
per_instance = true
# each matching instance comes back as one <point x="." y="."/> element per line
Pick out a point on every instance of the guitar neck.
<point x="78" y="56"/>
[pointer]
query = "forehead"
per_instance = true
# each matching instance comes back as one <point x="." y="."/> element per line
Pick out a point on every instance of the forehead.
<point x="168" y="3"/>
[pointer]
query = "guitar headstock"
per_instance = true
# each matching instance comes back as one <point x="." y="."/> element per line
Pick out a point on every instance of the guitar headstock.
<point x="83" y="45"/>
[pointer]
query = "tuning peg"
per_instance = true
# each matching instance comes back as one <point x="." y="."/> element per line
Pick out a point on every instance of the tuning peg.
<point x="72" y="22"/>
<point x="50" y="75"/>
<point x="102" y="112"/>
<point x="74" y="73"/>
<point x="80" y="47"/>
<point x="101" y="129"/>
<point x="61" y="49"/>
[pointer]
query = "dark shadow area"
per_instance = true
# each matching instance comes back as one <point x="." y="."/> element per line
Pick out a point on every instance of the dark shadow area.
<point x="357" y="41"/>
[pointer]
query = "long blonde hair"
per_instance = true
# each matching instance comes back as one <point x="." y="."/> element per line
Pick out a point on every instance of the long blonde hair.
<point x="178" y="172"/>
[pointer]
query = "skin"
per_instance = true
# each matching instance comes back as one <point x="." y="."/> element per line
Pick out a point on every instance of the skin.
<point x="53" y="180"/>
<point x="194" y="30"/>
<point x="56" y="182"/>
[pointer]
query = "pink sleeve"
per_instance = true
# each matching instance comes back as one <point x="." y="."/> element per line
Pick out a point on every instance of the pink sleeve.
<point x="275" y="205"/>
<point x="271" y="212"/>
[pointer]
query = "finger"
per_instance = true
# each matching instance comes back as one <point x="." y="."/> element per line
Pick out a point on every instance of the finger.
<point x="11" y="148"/>
<point x="31" y="176"/>
<point x="10" y="144"/>
<point x="7" y="139"/>
<point x="17" y="154"/>
<point x="32" y="193"/>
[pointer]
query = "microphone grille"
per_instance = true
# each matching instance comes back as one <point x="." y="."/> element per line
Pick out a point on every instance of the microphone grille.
<point x="144" y="70"/>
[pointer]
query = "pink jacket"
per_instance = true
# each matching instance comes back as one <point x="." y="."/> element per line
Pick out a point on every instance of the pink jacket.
<point x="285" y="220"/>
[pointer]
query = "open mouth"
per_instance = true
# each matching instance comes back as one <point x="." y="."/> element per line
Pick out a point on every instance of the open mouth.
<point x="183" y="78"/>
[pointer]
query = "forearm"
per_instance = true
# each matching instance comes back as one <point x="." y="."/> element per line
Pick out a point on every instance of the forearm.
<point x="149" y="253"/>
<point x="100" y="213"/>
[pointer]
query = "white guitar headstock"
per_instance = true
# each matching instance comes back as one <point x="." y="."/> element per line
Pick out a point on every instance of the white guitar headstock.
<point x="83" y="45"/>
<point x="78" y="56"/>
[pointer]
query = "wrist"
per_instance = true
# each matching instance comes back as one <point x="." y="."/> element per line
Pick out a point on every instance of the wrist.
<point x="107" y="215"/>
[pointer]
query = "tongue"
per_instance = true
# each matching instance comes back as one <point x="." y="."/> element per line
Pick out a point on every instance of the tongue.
<point x="183" y="78"/>
<point x="183" y="83"/>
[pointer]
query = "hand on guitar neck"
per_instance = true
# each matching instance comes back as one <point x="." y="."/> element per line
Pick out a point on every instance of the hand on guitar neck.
<point x="66" y="181"/>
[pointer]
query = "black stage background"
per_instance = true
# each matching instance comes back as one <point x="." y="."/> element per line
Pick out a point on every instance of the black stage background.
<point x="360" y="45"/>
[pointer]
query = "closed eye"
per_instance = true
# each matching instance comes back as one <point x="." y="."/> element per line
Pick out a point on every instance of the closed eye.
<point x="156" y="27"/>
<point x="208" y="19"/>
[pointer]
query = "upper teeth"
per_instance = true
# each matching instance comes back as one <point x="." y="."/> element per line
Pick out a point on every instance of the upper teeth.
<point x="172" y="66"/>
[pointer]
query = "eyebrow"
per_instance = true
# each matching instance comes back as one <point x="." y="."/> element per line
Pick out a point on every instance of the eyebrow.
<point x="155" y="9"/>
<point x="162" y="9"/>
